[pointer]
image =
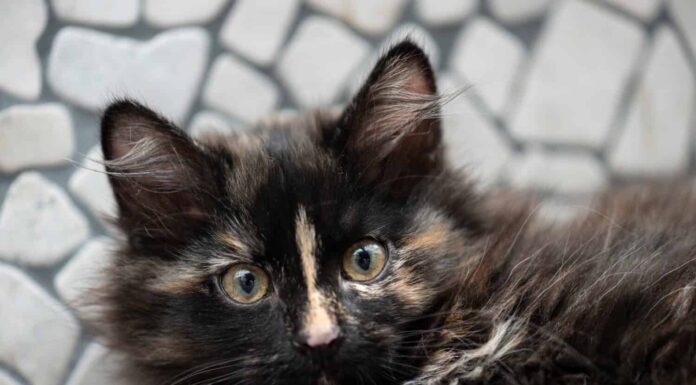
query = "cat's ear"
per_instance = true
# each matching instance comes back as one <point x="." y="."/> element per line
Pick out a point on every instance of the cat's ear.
<point x="163" y="182"/>
<point x="390" y="132"/>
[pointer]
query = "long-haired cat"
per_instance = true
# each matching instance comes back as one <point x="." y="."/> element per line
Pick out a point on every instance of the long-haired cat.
<point x="340" y="248"/>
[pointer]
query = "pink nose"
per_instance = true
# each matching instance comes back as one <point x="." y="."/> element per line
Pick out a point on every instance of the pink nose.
<point x="321" y="335"/>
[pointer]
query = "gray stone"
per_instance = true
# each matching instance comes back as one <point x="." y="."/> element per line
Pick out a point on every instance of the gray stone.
<point x="578" y="174"/>
<point x="111" y="13"/>
<point x="39" y="225"/>
<point x="489" y="59"/>
<point x="578" y="74"/>
<point x="38" y="335"/>
<point x="35" y="135"/>
<point x="654" y="140"/>
<point x="645" y="10"/>
<point x="439" y="13"/>
<point x="517" y="11"/>
<point x="684" y="13"/>
<point x="239" y="90"/>
<point x="5" y="379"/>
<point x="368" y="16"/>
<point x="256" y="29"/>
<point x="98" y="366"/>
<point x="91" y="68"/>
<point x="91" y="186"/>
<point x="22" y="24"/>
<point x="169" y="13"/>
<point x="319" y="59"/>
<point x="471" y="140"/>
<point x="84" y="273"/>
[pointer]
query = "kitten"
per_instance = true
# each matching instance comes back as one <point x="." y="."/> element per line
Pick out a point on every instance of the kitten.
<point x="342" y="249"/>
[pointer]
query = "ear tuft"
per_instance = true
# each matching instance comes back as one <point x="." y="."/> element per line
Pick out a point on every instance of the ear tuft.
<point x="391" y="130"/>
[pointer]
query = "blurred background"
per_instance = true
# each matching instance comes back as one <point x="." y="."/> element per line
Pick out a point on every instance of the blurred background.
<point x="563" y="98"/>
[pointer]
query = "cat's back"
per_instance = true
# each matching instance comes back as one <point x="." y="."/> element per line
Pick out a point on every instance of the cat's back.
<point x="609" y="298"/>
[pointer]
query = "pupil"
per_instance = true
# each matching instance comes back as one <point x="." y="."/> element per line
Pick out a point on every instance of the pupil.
<point x="247" y="281"/>
<point x="363" y="259"/>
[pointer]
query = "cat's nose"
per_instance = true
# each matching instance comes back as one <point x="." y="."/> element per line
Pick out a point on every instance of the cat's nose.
<point x="321" y="335"/>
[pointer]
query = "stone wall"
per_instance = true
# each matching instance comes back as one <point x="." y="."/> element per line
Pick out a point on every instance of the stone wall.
<point x="564" y="97"/>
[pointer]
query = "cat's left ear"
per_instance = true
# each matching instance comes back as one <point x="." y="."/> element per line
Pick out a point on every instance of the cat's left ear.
<point x="390" y="132"/>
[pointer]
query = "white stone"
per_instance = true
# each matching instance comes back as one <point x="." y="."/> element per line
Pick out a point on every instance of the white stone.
<point x="91" y="186"/>
<point x="415" y="33"/>
<point x="84" y="273"/>
<point x="684" y="13"/>
<point x="5" y="379"/>
<point x="169" y="13"/>
<point x="437" y="13"/>
<point x="39" y="225"/>
<point x="578" y="75"/>
<point x="517" y="11"/>
<point x="239" y="90"/>
<point x="319" y="59"/>
<point x="256" y="29"/>
<point x="558" y="211"/>
<point x="654" y="140"/>
<point x="111" y="13"/>
<point x="38" y="336"/>
<point x="368" y="16"/>
<point x="210" y="122"/>
<point x="645" y="10"/>
<point x="98" y="366"/>
<point x="20" y="68"/>
<point x="35" y="135"/>
<point x="561" y="173"/>
<point x="489" y="59"/>
<point x="91" y="68"/>
<point x="471" y="140"/>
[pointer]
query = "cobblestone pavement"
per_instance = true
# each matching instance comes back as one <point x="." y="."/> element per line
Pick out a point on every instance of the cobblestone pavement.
<point x="565" y="97"/>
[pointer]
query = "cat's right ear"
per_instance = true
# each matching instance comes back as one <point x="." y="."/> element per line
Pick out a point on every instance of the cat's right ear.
<point x="164" y="184"/>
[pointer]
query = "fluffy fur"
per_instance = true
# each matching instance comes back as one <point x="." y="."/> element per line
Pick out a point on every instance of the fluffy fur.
<point x="475" y="291"/>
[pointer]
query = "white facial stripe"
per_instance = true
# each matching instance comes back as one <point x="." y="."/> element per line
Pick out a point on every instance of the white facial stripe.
<point x="319" y="324"/>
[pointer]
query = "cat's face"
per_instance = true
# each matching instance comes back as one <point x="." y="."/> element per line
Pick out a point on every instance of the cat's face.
<point x="311" y="250"/>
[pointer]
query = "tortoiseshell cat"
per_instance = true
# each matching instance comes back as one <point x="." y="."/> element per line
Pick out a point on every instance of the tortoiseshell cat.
<point x="342" y="249"/>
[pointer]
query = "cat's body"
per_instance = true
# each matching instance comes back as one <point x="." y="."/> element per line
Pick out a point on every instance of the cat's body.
<point x="341" y="249"/>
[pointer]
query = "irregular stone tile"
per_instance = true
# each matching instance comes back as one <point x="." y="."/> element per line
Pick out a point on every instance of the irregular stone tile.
<point x="471" y="140"/>
<point x="98" y="365"/>
<point x="256" y="29"/>
<point x="415" y="33"/>
<point x="38" y="336"/>
<point x="83" y="274"/>
<point x="368" y="16"/>
<point x="489" y="59"/>
<point x="439" y="13"/>
<point x="111" y="13"/>
<point x="169" y="13"/>
<point x="239" y="90"/>
<point x="91" y="186"/>
<point x="645" y="10"/>
<point x="560" y="173"/>
<point x="654" y="140"/>
<point x="35" y="135"/>
<point x="517" y="11"/>
<point x="91" y="68"/>
<point x="684" y="13"/>
<point x="20" y="67"/>
<point x="578" y="74"/>
<point x="39" y="225"/>
<point x="319" y="78"/>
<point x="210" y="122"/>
<point x="5" y="379"/>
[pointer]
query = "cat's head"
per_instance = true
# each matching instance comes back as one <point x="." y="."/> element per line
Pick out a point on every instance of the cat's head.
<point x="309" y="250"/>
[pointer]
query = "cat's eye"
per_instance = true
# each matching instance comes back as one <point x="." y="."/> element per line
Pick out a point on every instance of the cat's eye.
<point x="245" y="283"/>
<point x="364" y="260"/>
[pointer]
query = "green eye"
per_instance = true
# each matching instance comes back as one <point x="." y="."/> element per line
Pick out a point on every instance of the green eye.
<point x="245" y="283"/>
<point x="364" y="260"/>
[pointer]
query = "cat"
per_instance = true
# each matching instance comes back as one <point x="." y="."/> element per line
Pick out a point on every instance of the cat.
<point x="341" y="248"/>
